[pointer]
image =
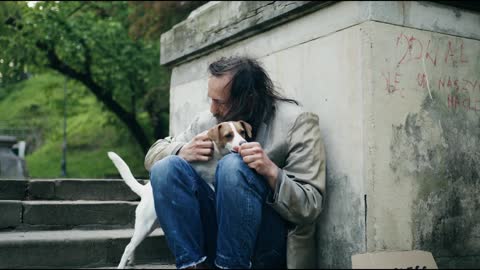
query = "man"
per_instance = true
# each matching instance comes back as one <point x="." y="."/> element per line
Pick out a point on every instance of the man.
<point x="271" y="190"/>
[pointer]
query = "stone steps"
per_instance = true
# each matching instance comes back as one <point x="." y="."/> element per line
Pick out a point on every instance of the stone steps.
<point x="67" y="189"/>
<point x="22" y="215"/>
<point x="153" y="265"/>
<point x="73" y="223"/>
<point x="77" y="248"/>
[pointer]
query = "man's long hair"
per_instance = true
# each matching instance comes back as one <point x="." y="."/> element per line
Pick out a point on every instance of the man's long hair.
<point x="252" y="94"/>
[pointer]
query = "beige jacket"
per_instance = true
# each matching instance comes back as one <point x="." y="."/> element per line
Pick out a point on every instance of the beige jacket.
<point x="291" y="139"/>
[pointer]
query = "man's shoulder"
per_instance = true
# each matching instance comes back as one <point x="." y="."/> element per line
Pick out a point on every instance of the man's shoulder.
<point x="288" y="108"/>
<point x="289" y="113"/>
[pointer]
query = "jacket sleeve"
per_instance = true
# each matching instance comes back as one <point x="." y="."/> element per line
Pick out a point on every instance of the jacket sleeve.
<point x="300" y="189"/>
<point x="171" y="145"/>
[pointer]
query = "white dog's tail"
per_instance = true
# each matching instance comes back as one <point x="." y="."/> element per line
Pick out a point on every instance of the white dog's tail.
<point x="126" y="174"/>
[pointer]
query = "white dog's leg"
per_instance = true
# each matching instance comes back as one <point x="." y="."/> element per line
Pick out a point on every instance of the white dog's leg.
<point x="145" y="223"/>
<point x="131" y="260"/>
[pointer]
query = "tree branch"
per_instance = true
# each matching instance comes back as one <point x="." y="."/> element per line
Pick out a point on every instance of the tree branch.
<point x="88" y="55"/>
<point x="102" y="95"/>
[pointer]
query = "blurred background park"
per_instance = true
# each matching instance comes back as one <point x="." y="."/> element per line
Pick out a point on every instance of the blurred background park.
<point x="86" y="73"/>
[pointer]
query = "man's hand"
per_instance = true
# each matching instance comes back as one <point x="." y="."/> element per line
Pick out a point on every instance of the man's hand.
<point x="200" y="148"/>
<point x="256" y="158"/>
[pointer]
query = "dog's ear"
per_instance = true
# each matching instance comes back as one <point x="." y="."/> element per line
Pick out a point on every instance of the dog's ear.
<point x="247" y="127"/>
<point x="214" y="133"/>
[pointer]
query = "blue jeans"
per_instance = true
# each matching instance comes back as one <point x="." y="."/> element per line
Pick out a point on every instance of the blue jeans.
<point x="231" y="227"/>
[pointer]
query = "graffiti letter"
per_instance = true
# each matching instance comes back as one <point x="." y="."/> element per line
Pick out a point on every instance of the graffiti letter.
<point x="441" y="84"/>
<point x="450" y="52"/>
<point x="406" y="49"/>
<point x="421" y="80"/>
<point x="453" y="101"/>
<point x="462" y="60"/>
<point x="427" y="55"/>
<point x="388" y="82"/>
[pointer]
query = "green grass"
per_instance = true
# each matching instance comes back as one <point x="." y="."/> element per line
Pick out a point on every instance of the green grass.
<point x="92" y="131"/>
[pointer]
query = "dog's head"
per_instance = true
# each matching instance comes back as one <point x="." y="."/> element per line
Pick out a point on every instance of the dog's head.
<point x="226" y="135"/>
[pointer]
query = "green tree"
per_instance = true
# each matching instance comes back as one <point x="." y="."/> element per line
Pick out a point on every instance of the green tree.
<point x="148" y="20"/>
<point x="92" y="42"/>
<point x="11" y="63"/>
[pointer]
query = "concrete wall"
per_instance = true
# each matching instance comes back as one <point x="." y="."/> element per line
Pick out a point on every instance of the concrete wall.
<point x="423" y="132"/>
<point x="397" y="88"/>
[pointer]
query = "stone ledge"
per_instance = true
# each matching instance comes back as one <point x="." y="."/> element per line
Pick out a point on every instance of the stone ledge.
<point x="219" y="24"/>
<point x="209" y="28"/>
<point x="78" y="213"/>
<point x="81" y="189"/>
<point x="55" y="215"/>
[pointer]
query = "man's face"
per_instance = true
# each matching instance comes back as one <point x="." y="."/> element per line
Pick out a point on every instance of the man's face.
<point x="219" y="95"/>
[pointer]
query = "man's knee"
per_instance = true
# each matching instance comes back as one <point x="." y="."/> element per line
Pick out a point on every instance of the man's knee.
<point x="232" y="172"/>
<point x="164" y="168"/>
<point x="230" y="164"/>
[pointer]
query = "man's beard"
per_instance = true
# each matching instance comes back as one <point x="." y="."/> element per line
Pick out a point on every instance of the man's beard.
<point x="219" y="118"/>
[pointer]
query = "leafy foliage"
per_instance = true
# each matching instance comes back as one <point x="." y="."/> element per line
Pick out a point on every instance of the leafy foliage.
<point x="12" y="63"/>
<point x="91" y="131"/>
<point x="151" y="18"/>
<point x="98" y="44"/>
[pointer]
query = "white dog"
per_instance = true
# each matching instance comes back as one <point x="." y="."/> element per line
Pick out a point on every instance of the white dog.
<point x="224" y="136"/>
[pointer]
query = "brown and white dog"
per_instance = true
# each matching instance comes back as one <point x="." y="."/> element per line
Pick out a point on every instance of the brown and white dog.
<point x="224" y="136"/>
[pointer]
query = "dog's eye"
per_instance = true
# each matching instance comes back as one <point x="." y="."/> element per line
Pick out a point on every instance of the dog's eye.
<point x="228" y="136"/>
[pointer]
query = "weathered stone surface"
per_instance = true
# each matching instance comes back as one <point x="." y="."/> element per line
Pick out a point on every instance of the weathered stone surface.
<point x="152" y="247"/>
<point x="94" y="190"/>
<point x="41" y="190"/>
<point x="81" y="189"/>
<point x="224" y="23"/>
<point x="13" y="189"/>
<point x="70" y="214"/>
<point x="10" y="214"/>
<point x="75" y="248"/>
<point x="396" y="90"/>
<point x="71" y="232"/>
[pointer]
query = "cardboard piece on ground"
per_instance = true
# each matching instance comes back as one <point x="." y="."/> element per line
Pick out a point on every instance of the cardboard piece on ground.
<point x="415" y="259"/>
